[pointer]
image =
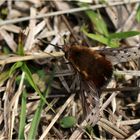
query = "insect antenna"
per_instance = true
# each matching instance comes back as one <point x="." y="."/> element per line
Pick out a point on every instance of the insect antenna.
<point x="47" y="42"/>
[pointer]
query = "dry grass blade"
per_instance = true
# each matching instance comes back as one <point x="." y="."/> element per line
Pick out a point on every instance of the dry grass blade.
<point x="56" y="117"/>
<point x="12" y="28"/>
<point x="15" y="101"/>
<point x="9" y="40"/>
<point x="134" y="136"/>
<point x="129" y="72"/>
<point x="110" y="127"/>
<point x="68" y="11"/>
<point x="129" y="122"/>
<point x="35" y="56"/>
<point x="76" y="42"/>
<point x="31" y="36"/>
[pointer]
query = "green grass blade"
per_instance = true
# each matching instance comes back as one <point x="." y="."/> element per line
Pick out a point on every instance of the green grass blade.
<point x="138" y="15"/>
<point x="31" y="81"/>
<point x="98" y="23"/>
<point x="22" y="116"/>
<point x="123" y="35"/>
<point x="101" y="39"/>
<point x="36" y="119"/>
<point x="4" y="76"/>
<point x="15" y="66"/>
<point x="20" y="49"/>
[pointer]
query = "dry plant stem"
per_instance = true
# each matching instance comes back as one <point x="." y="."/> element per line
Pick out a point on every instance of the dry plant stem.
<point x="31" y="57"/>
<point x="5" y="117"/>
<point x="10" y="107"/>
<point x="52" y="103"/>
<point x="84" y="131"/>
<point x="12" y="28"/>
<point x="129" y="21"/>
<point x="2" y="89"/>
<point x="59" y="134"/>
<point x="129" y="122"/>
<point x="78" y="132"/>
<point x="121" y="89"/>
<point x="93" y="7"/>
<point x="9" y="40"/>
<point x="67" y="23"/>
<point x="19" y="91"/>
<point x="63" y="81"/>
<point x="134" y="136"/>
<point x="108" y="101"/>
<point x="129" y="72"/>
<point x="7" y="104"/>
<point x="56" y="117"/>
<point x="110" y="127"/>
<point x="64" y="73"/>
<point x="31" y="36"/>
<point x="15" y="105"/>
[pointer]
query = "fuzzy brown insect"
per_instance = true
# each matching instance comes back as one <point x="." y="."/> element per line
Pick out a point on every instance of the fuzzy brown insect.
<point x="93" y="66"/>
<point x="96" y="66"/>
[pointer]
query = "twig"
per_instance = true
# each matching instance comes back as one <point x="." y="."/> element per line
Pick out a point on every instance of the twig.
<point x="93" y="7"/>
<point x="121" y="89"/>
<point x="30" y="57"/>
<point x="128" y="72"/>
<point x="134" y="136"/>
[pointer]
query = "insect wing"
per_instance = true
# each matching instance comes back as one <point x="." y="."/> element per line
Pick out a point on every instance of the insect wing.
<point x="89" y="95"/>
<point x="122" y="54"/>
